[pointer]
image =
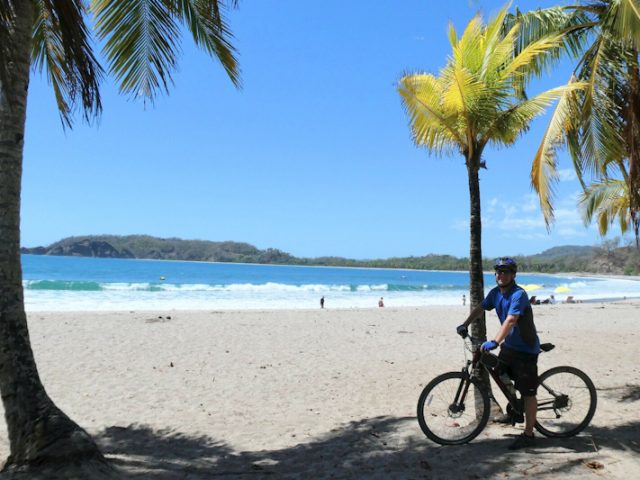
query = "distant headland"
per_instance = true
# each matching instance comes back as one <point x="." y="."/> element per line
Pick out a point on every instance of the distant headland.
<point x="608" y="258"/>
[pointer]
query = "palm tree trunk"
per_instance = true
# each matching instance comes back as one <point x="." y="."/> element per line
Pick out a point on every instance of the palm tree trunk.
<point x="476" y="278"/>
<point x="633" y="142"/>
<point x="40" y="434"/>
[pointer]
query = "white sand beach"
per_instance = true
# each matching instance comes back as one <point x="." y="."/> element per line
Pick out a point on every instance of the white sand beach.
<point x="320" y="393"/>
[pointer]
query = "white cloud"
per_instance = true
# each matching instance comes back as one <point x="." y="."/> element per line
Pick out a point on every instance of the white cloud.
<point x="567" y="175"/>
<point x="514" y="223"/>
<point x="532" y="236"/>
<point x="524" y="219"/>
<point x="571" y="232"/>
<point x="492" y="205"/>
<point x="531" y="203"/>
<point x="566" y="216"/>
<point x="512" y="210"/>
<point x="522" y="223"/>
<point x="521" y="219"/>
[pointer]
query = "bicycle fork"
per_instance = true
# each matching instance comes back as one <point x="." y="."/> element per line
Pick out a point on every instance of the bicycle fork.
<point x="461" y="394"/>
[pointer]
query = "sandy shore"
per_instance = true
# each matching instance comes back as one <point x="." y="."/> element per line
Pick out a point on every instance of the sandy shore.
<point x="320" y="394"/>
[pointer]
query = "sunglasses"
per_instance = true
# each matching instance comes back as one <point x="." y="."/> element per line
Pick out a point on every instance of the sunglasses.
<point x="501" y="271"/>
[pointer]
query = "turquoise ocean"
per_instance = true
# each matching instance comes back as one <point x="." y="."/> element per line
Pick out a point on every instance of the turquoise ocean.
<point x="93" y="284"/>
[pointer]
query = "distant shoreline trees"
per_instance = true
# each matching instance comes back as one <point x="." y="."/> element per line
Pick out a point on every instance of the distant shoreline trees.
<point x="608" y="258"/>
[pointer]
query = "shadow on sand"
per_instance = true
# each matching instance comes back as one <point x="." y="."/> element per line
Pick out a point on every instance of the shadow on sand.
<point x="381" y="447"/>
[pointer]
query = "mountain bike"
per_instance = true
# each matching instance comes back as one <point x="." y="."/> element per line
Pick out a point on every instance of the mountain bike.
<point x="454" y="407"/>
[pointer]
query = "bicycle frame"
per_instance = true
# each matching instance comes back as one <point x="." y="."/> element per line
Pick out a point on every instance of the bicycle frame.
<point x="480" y="360"/>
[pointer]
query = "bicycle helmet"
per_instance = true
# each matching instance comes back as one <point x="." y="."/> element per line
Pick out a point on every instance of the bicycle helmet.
<point x="505" y="263"/>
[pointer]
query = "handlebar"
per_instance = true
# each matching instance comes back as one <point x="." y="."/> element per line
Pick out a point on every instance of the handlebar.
<point x="464" y="333"/>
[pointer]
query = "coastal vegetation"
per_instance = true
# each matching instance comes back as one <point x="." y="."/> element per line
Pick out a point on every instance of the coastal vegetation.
<point x="141" y="44"/>
<point x="611" y="257"/>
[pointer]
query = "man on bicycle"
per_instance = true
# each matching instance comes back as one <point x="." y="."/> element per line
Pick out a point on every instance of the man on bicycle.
<point x="519" y="343"/>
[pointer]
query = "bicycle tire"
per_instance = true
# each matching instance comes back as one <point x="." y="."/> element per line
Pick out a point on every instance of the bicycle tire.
<point x="444" y="426"/>
<point x="565" y="416"/>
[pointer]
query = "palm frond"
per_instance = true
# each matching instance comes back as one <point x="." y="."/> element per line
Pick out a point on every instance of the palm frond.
<point x="142" y="43"/>
<point x="143" y="40"/>
<point x="509" y="124"/>
<point x="600" y="130"/>
<point x="492" y="50"/>
<point x="497" y="56"/>
<point x="430" y="124"/>
<point x="62" y="44"/>
<point x="465" y="52"/>
<point x="462" y="90"/>
<point x="572" y="23"/>
<point x="543" y="169"/>
<point x="453" y="36"/>
<point x="206" y="21"/>
<point x="606" y="200"/>
<point x="622" y="21"/>
<point x="528" y="56"/>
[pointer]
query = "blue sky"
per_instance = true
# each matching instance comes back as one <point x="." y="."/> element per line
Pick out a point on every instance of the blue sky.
<point x="313" y="156"/>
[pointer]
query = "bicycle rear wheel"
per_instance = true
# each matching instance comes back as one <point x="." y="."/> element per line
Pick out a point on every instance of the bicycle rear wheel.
<point x="453" y="409"/>
<point x="567" y="400"/>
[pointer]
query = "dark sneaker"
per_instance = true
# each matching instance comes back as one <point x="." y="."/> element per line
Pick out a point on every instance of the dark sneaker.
<point x="523" y="441"/>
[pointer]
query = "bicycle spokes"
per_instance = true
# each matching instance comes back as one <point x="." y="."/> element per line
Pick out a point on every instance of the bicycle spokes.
<point x="453" y="408"/>
<point x="566" y="402"/>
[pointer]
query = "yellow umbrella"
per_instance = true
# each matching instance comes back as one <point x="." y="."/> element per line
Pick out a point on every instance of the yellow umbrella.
<point x="531" y="287"/>
<point x="562" y="289"/>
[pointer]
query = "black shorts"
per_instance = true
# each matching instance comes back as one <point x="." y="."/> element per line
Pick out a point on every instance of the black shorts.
<point x="522" y="368"/>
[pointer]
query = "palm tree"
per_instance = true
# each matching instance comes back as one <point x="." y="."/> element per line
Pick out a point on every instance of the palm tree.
<point x="600" y="124"/>
<point x="475" y="101"/>
<point x="141" y="40"/>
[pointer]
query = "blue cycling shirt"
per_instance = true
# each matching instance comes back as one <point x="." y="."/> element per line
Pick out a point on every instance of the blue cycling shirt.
<point x="523" y="336"/>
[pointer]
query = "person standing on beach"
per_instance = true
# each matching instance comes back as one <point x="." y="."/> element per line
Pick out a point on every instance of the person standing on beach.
<point x="381" y="302"/>
<point x="464" y="299"/>
<point x="519" y="343"/>
<point x="322" y="302"/>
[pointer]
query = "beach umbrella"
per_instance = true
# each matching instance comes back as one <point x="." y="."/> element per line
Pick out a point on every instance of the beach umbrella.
<point x="562" y="289"/>
<point x="531" y="287"/>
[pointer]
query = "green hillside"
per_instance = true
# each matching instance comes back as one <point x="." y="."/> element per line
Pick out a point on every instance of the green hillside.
<point x="608" y="258"/>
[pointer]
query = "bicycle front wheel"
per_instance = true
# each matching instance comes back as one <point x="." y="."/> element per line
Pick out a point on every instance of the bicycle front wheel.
<point x="453" y="409"/>
<point x="566" y="402"/>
